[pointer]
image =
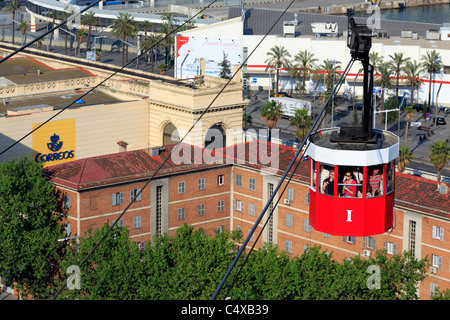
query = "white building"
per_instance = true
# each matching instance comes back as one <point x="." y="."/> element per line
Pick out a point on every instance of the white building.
<point x="250" y="32"/>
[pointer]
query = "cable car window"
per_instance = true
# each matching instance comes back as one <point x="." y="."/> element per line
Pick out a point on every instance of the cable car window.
<point x="328" y="184"/>
<point x="347" y="182"/>
<point x="324" y="173"/>
<point x="313" y="174"/>
<point x="375" y="181"/>
<point x="390" y="177"/>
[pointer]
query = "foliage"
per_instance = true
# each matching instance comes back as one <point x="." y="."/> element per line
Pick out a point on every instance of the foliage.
<point x="304" y="63"/>
<point x="303" y="122"/>
<point x="439" y="156"/>
<point x="432" y="62"/>
<point x="126" y="27"/>
<point x="404" y="158"/>
<point x="29" y="232"/>
<point x="397" y="63"/>
<point x="278" y="59"/>
<point x="225" y="67"/>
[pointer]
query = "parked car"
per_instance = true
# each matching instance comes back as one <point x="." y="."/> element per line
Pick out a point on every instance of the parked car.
<point x="440" y="121"/>
<point x="359" y="106"/>
<point x="419" y="107"/>
<point x="282" y="94"/>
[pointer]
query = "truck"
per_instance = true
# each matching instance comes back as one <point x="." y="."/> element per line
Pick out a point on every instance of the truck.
<point x="330" y="29"/>
<point x="290" y="105"/>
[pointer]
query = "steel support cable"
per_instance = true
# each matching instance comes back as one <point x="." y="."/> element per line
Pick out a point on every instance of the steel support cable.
<point x="101" y="82"/>
<point x="175" y="148"/>
<point x="297" y="155"/>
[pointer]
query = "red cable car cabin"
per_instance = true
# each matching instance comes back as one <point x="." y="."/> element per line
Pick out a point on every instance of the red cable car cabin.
<point x="359" y="199"/>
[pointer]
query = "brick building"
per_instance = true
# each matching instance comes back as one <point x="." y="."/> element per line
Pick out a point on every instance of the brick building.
<point x="230" y="193"/>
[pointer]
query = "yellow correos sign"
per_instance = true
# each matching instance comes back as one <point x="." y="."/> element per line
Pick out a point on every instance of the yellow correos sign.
<point x="54" y="142"/>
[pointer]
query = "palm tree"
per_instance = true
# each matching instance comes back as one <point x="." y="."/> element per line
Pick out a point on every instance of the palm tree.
<point x="12" y="7"/>
<point x="409" y="110"/>
<point x="146" y="25"/>
<point x="404" y="158"/>
<point x="271" y="111"/>
<point x="412" y="73"/>
<point x="432" y="62"/>
<point x="329" y="69"/>
<point x="23" y="29"/>
<point x="375" y="61"/>
<point x="65" y="15"/>
<point x="439" y="156"/>
<point x="149" y="45"/>
<point x="167" y="29"/>
<point x="383" y="79"/>
<point x="303" y="66"/>
<point x="80" y="35"/>
<point x="278" y="59"/>
<point x="303" y="122"/>
<point x="398" y="64"/>
<point x="54" y="15"/>
<point x="247" y="119"/>
<point x="90" y="21"/>
<point x="124" y="26"/>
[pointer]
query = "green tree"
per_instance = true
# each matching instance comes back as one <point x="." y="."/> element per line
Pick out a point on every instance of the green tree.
<point x="271" y="111"/>
<point x="375" y="60"/>
<point x="29" y="231"/>
<point x="432" y="62"/>
<point x="404" y="158"/>
<point x="398" y="65"/>
<point x="12" y="7"/>
<point x="303" y="66"/>
<point x="89" y="20"/>
<point x="225" y="67"/>
<point x="278" y="59"/>
<point x="23" y="29"/>
<point x="112" y="271"/>
<point x="439" y="156"/>
<point x="383" y="79"/>
<point x="247" y="120"/>
<point x="167" y="28"/>
<point x="80" y="36"/>
<point x="412" y="72"/>
<point x="124" y="26"/>
<point x="303" y="122"/>
<point x="150" y="45"/>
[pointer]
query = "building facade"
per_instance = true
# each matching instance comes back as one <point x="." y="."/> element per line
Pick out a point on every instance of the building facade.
<point x="231" y="194"/>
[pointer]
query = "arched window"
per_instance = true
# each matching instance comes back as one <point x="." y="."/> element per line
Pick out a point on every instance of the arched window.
<point x="215" y="137"/>
<point x="170" y="134"/>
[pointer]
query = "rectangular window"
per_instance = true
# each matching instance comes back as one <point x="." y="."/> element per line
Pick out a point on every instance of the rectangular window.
<point x="221" y="206"/>
<point x="117" y="198"/>
<point x="66" y="202"/>
<point x="201" y="184"/>
<point x="289" y="246"/>
<point x="251" y="184"/>
<point x="239" y="180"/>
<point x="251" y="209"/>
<point x="436" y="261"/>
<point x="181" y="215"/>
<point x="120" y="223"/>
<point x="181" y="187"/>
<point x="290" y="194"/>
<point x="201" y="209"/>
<point x="412" y="237"/>
<point x="349" y="239"/>
<point x="391" y="248"/>
<point x="133" y="194"/>
<point x="289" y="219"/>
<point x="370" y="243"/>
<point x="438" y="233"/>
<point x="158" y="209"/>
<point x="220" y="229"/>
<point x="306" y="225"/>
<point x="136" y="222"/>
<point x="252" y="238"/>
<point x="220" y="179"/>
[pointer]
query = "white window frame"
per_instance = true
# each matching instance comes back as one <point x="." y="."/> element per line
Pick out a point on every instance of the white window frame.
<point x="181" y="187"/>
<point x="252" y="183"/>
<point x="181" y="213"/>
<point x="220" y="180"/>
<point x="201" y="209"/>
<point x="117" y="198"/>
<point x="289" y="246"/>
<point x="290" y="194"/>
<point x="438" y="233"/>
<point x="437" y="261"/>
<point x="221" y="206"/>
<point x="133" y="194"/>
<point x="137" y="222"/>
<point x="201" y="184"/>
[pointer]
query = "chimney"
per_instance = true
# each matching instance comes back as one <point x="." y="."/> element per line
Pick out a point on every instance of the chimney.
<point x="122" y="146"/>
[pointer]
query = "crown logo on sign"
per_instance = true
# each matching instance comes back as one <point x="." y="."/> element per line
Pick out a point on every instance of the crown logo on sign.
<point x="54" y="145"/>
